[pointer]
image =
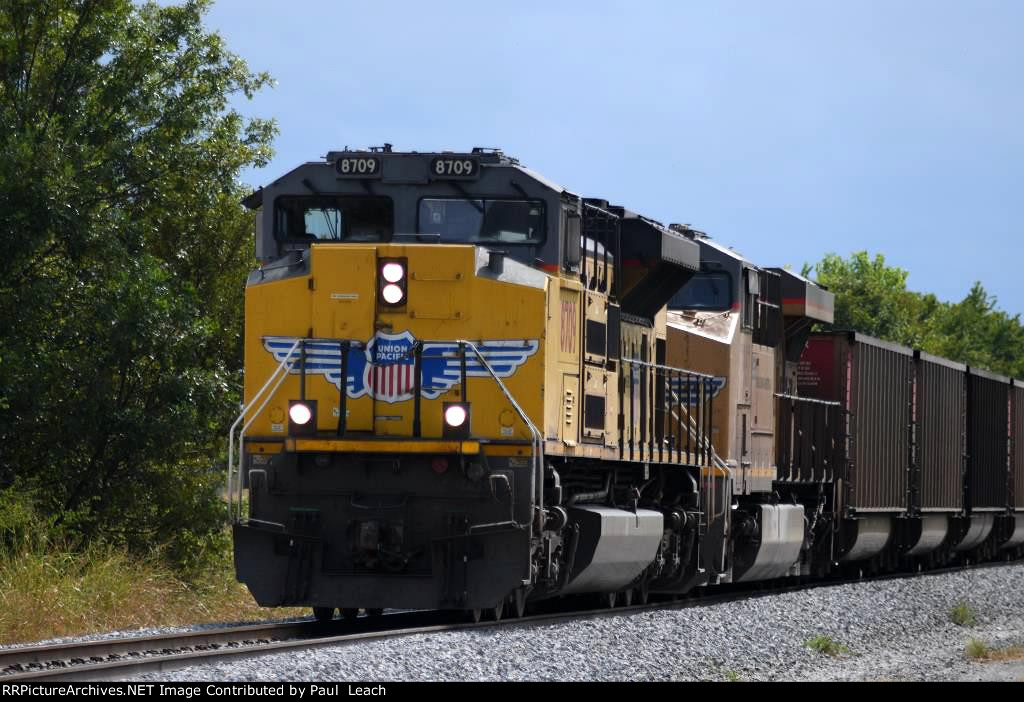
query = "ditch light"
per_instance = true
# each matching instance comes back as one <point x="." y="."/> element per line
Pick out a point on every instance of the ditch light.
<point x="301" y="417"/>
<point x="456" y="420"/>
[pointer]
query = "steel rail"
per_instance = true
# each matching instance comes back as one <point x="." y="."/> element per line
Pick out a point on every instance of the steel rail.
<point x="118" y="658"/>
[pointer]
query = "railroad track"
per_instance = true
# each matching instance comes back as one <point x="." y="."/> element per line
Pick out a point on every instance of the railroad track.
<point x="107" y="659"/>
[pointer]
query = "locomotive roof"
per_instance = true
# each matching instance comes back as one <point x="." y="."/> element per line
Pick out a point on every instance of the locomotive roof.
<point x="705" y="240"/>
<point x="488" y="157"/>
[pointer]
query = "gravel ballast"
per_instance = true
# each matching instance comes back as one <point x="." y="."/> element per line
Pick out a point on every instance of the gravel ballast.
<point x="893" y="630"/>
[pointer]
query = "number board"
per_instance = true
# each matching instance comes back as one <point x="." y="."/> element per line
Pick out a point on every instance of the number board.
<point x="358" y="167"/>
<point x="454" y="167"/>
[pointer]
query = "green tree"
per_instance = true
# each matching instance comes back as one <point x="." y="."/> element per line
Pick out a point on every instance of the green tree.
<point x="125" y="255"/>
<point x="872" y="297"/>
<point x="976" y="332"/>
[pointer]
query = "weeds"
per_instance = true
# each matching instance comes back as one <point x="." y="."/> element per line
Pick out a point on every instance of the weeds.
<point x="962" y="614"/>
<point x="977" y="649"/>
<point x="823" y="643"/>
<point x="51" y="586"/>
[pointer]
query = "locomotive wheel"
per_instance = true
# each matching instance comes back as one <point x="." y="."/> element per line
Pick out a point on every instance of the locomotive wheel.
<point x="476" y="615"/>
<point x="610" y="599"/>
<point x="375" y="612"/>
<point x="642" y="594"/>
<point x="498" y="611"/>
<point x="627" y="598"/>
<point x="323" y="614"/>
<point x="349" y="613"/>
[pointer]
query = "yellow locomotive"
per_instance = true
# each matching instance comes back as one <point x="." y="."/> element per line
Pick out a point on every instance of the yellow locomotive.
<point x="468" y="388"/>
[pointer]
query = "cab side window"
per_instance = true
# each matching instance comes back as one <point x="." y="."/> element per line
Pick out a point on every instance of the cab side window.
<point x="332" y="218"/>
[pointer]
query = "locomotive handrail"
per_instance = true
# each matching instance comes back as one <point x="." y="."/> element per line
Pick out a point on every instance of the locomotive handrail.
<point x="695" y="426"/>
<point x="660" y="366"/>
<point x="538" y="438"/>
<point x="691" y="422"/>
<point x="808" y="418"/>
<point x="248" y="424"/>
<point x="286" y="361"/>
<point x="808" y="400"/>
<point x="716" y="460"/>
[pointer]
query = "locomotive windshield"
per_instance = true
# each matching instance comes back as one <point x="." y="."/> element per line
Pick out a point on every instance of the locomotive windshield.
<point x="483" y="221"/>
<point x="705" y="291"/>
<point x="333" y="218"/>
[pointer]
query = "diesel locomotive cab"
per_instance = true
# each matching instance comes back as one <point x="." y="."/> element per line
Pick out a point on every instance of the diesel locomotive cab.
<point x="482" y="198"/>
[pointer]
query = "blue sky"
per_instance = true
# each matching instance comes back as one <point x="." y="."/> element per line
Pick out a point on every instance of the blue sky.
<point x="785" y="129"/>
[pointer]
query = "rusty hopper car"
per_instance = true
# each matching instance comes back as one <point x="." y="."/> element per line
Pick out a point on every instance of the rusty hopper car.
<point x="873" y="381"/>
<point x="1018" y="445"/>
<point x="938" y="465"/>
<point x="940" y="409"/>
<point x="987" y="441"/>
<point x="1017" y="537"/>
<point x="990" y="461"/>
<point x="927" y="465"/>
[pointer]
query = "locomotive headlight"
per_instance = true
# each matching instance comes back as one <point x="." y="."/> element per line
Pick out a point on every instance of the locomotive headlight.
<point x="302" y="417"/>
<point x="392" y="282"/>
<point x="392" y="294"/>
<point x="456" y="420"/>
<point x="392" y="272"/>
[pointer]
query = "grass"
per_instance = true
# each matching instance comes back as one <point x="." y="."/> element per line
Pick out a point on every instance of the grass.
<point x="962" y="614"/>
<point x="47" y="591"/>
<point x="823" y="643"/>
<point x="978" y="650"/>
<point x="53" y="585"/>
<point x="733" y="676"/>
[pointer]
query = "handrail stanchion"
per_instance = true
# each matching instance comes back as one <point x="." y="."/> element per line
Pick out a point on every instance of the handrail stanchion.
<point x="286" y="361"/>
<point x="462" y="372"/>
<point x="670" y="425"/>
<point x="538" y="439"/>
<point x="245" y="427"/>
<point x="417" y="366"/>
<point x="343" y="390"/>
<point x="302" y="370"/>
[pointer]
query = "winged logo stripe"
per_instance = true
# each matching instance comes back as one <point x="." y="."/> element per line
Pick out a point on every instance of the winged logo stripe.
<point x="383" y="368"/>
<point x="687" y="390"/>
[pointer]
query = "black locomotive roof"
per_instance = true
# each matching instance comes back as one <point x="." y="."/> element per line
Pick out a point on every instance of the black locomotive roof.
<point x="409" y="166"/>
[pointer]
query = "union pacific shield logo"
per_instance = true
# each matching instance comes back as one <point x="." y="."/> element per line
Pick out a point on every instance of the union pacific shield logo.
<point x="390" y="375"/>
<point x="385" y="368"/>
